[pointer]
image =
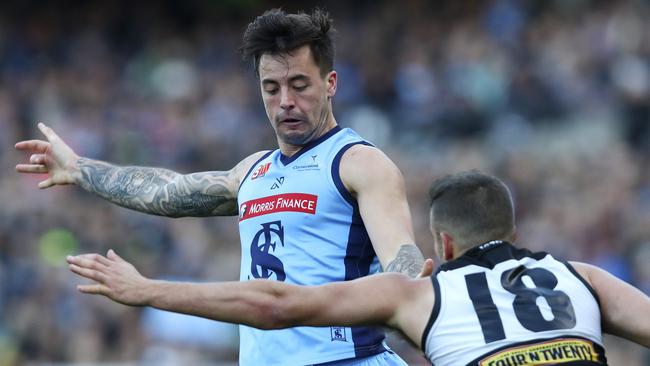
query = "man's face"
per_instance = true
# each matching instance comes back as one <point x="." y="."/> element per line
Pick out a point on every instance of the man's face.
<point x="296" y="97"/>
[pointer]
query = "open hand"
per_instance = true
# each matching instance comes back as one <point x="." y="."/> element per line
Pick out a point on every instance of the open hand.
<point x="52" y="157"/>
<point x="114" y="277"/>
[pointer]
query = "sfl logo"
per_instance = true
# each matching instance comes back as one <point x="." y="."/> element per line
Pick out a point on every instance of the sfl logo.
<point x="261" y="171"/>
<point x="263" y="263"/>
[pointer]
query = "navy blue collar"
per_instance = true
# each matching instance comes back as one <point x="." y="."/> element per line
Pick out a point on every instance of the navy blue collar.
<point x="489" y="255"/>
<point x="286" y="160"/>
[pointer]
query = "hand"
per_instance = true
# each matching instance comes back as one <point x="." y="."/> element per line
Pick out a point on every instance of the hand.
<point x="427" y="269"/>
<point x="115" y="278"/>
<point x="53" y="157"/>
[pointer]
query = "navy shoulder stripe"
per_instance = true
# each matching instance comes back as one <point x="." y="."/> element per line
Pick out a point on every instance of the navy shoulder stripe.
<point x="253" y="167"/>
<point x="584" y="282"/>
<point x="336" y="176"/>
<point x="434" y="313"/>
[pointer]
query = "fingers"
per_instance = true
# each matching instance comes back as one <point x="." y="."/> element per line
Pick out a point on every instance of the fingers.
<point x="91" y="266"/>
<point x="90" y="260"/>
<point x="37" y="159"/>
<point x="36" y="165"/>
<point x="88" y="273"/>
<point x="95" y="289"/>
<point x="427" y="268"/>
<point x="48" y="132"/>
<point x="38" y="146"/>
<point x="31" y="168"/>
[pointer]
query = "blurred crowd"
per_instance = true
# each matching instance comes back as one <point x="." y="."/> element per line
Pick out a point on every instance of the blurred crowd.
<point x="551" y="96"/>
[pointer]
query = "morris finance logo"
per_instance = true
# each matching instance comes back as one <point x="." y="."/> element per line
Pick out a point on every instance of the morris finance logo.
<point x="287" y="202"/>
<point x="242" y="210"/>
<point x="261" y="171"/>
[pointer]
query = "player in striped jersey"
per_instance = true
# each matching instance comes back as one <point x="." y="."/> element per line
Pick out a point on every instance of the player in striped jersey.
<point x="490" y="303"/>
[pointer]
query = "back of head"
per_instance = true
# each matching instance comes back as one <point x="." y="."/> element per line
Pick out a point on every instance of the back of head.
<point x="276" y="32"/>
<point x="472" y="207"/>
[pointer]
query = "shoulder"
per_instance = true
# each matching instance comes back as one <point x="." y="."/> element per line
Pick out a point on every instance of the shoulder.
<point x="362" y="164"/>
<point x="585" y="270"/>
<point x="244" y="166"/>
<point x="248" y="162"/>
<point x="363" y="154"/>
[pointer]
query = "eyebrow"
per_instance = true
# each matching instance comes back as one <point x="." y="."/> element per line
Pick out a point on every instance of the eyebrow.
<point x="299" y="77"/>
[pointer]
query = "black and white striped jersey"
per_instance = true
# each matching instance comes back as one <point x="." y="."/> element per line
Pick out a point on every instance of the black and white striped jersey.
<point x="498" y="305"/>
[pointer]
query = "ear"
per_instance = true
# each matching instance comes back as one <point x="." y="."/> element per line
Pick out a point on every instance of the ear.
<point x="331" y="80"/>
<point x="447" y="246"/>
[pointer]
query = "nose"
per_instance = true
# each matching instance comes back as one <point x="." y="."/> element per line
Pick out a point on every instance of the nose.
<point x="286" y="100"/>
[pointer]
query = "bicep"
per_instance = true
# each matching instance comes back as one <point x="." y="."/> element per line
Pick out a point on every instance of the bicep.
<point x="379" y="188"/>
<point x="212" y="193"/>
<point x="205" y="193"/>
<point x="624" y="309"/>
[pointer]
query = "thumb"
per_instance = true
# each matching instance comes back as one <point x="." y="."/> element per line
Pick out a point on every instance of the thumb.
<point x="46" y="183"/>
<point x="427" y="268"/>
<point x="113" y="256"/>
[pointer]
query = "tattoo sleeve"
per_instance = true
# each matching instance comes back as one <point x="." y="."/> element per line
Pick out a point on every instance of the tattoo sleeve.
<point x="160" y="191"/>
<point x="409" y="260"/>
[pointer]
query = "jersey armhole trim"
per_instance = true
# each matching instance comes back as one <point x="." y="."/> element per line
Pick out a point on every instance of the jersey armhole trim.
<point x="434" y="312"/>
<point x="253" y="167"/>
<point x="336" y="176"/>
<point x="584" y="282"/>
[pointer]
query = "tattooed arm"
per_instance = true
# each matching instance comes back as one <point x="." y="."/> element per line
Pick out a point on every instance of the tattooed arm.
<point x="409" y="260"/>
<point x="164" y="192"/>
<point x="378" y="186"/>
<point x="150" y="190"/>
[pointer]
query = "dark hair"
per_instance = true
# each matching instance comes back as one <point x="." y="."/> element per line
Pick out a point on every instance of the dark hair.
<point x="473" y="207"/>
<point x="277" y="32"/>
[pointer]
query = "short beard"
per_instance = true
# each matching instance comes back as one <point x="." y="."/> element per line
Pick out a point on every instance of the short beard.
<point x="299" y="139"/>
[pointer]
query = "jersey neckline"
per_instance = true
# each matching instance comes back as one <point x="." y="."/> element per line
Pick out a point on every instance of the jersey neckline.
<point x="286" y="160"/>
<point x="490" y="254"/>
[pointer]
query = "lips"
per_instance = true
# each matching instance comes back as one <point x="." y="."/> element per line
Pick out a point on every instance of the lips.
<point x="290" y="120"/>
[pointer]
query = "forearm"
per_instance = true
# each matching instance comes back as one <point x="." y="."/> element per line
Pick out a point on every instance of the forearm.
<point x="158" y="191"/>
<point x="267" y="304"/>
<point x="254" y="303"/>
<point x="409" y="261"/>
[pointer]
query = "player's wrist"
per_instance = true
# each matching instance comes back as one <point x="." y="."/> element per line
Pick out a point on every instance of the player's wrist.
<point x="152" y="293"/>
<point x="74" y="170"/>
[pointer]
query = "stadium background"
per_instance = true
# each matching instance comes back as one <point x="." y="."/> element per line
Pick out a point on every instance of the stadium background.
<point x="552" y="96"/>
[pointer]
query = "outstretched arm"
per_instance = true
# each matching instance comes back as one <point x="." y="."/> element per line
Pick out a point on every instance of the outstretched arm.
<point x="625" y="310"/>
<point x="160" y="191"/>
<point x="262" y="304"/>
<point x="151" y="190"/>
<point x="377" y="184"/>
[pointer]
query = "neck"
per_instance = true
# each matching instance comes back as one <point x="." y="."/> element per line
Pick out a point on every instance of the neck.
<point x="290" y="149"/>
<point x="461" y="250"/>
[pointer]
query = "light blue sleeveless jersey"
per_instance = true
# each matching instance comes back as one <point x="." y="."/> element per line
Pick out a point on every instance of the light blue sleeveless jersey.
<point x="298" y="224"/>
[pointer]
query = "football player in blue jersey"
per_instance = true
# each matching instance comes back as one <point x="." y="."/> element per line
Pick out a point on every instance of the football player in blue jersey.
<point x="325" y="206"/>
<point x="490" y="303"/>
